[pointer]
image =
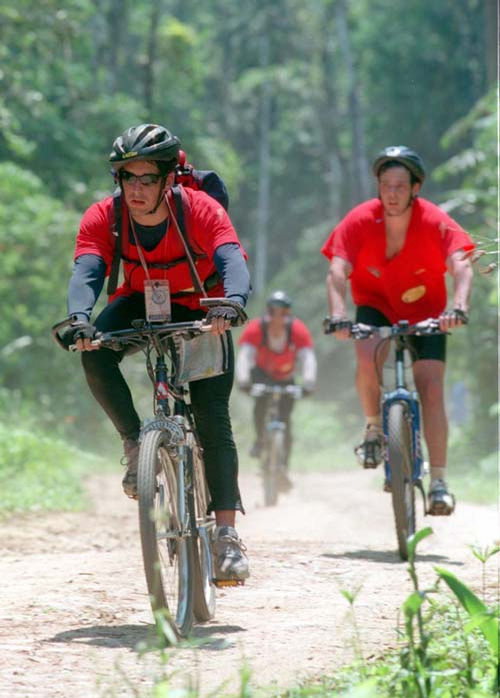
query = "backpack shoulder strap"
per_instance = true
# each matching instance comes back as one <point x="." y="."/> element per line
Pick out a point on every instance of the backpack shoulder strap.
<point x="115" y="224"/>
<point x="289" y="328"/>
<point x="181" y="200"/>
<point x="264" y="335"/>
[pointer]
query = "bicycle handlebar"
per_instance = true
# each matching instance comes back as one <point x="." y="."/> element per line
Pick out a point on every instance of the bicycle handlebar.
<point x="361" y="331"/>
<point x="142" y="330"/>
<point x="259" y="389"/>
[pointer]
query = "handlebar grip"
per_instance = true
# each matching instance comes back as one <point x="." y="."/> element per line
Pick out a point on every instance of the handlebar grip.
<point x="60" y="326"/>
<point x="228" y="303"/>
<point x="330" y="325"/>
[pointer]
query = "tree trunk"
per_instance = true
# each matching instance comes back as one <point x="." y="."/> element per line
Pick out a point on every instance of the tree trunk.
<point x="264" y="173"/>
<point x="116" y="18"/>
<point x="360" y="178"/>
<point x="149" y="68"/>
<point x="492" y="40"/>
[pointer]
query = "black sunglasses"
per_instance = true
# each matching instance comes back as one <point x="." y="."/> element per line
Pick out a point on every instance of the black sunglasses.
<point x="131" y="178"/>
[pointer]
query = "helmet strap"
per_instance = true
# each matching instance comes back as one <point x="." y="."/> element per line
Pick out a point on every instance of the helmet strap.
<point x="161" y="197"/>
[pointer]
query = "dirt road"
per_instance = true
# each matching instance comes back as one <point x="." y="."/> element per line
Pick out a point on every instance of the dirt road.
<point x="74" y="608"/>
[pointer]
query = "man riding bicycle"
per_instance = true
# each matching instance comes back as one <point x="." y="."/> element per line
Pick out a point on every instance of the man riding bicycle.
<point x="155" y="258"/>
<point x="395" y="250"/>
<point x="272" y="347"/>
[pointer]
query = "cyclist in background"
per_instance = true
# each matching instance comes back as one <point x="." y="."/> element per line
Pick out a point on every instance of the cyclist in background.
<point x="272" y="348"/>
<point x="143" y="161"/>
<point x="395" y="250"/>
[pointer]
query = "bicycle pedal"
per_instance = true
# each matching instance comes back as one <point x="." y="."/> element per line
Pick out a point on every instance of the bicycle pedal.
<point x="222" y="583"/>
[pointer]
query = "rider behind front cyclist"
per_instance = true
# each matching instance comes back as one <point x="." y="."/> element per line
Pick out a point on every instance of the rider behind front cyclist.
<point x="395" y="250"/>
<point x="143" y="159"/>
<point x="272" y="347"/>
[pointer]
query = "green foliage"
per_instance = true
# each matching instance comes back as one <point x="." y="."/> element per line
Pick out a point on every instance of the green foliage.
<point x="441" y="655"/>
<point x="38" y="472"/>
<point x="332" y="66"/>
<point x="476" y="609"/>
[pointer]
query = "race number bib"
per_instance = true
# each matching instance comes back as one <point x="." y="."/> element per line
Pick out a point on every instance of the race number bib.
<point x="157" y="300"/>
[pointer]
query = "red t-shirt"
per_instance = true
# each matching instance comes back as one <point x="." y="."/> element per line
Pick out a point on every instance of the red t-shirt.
<point x="208" y="226"/>
<point x="411" y="285"/>
<point x="280" y="366"/>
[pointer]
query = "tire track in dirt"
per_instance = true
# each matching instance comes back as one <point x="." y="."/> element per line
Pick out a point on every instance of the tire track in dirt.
<point x="74" y="607"/>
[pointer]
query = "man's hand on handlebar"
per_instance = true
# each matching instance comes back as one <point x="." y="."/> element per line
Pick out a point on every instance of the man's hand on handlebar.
<point x="221" y="318"/>
<point x="339" y="326"/>
<point x="452" y="319"/>
<point x="81" y="334"/>
<point x="223" y="313"/>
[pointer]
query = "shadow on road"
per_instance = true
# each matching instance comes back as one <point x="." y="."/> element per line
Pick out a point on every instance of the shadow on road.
<point x="109" y="635"/>
<point x="387" y="557"/>
<point x="143" y="638"/>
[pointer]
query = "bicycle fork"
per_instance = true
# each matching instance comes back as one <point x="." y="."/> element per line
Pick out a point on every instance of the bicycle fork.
<point x="410" y="398"/>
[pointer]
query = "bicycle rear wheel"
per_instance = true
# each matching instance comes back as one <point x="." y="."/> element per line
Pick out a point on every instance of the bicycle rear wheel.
<point x="166" y="540"/>
<point x="400" y="455"/>
<point x="204" y="588"/>
<point x="273" y="461"/>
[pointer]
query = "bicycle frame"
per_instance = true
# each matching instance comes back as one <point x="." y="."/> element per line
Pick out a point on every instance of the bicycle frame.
<point x="400" y="394"/>
<point x="274" y="423"/>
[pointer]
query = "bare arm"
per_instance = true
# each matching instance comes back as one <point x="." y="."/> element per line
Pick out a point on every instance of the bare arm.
<point x="336" y="284"/>
<point x="461" y="271"/>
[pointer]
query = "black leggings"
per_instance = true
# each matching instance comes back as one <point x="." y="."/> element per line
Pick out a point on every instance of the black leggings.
<point x="209" y="399"/>
<point x="285" y="408"/>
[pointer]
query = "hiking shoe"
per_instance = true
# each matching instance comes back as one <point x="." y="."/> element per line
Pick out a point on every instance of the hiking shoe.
<point x="370" y="451"/>
<point x="441" y="502"/>
<point x="387" y="486"/>
<point x="130" y="459"/>
<point x="230" y="561"/>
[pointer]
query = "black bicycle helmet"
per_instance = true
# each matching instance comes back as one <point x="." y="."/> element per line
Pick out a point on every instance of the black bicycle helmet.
<point x="403" y="155"/>
<point x="279" y="299"/>
<point x="145" y="142"/>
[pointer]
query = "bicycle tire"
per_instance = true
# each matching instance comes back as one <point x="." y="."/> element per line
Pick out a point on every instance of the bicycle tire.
<point x="400" y="458"/>
<point x="166" y="551"/>
<point x="203" y="575"/>
<point x="273" y="462"/>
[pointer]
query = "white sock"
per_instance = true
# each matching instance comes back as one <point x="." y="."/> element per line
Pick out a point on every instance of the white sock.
<point x="375" y="421"/>
<point x="438" y="472"/>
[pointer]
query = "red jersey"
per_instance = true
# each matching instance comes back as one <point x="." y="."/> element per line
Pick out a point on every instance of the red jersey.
<point x="411" y="284"/>
<point x="207" y="225"/>
<point x="279" y="365"/>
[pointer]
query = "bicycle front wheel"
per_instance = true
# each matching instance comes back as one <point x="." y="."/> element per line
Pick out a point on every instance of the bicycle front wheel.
<point x="400" y="455"/>
<point x="165" y="538"/>
<point x="273" y="462"/>
<point x="204" y="588"/>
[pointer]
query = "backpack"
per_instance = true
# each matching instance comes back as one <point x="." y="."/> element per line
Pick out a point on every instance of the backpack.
<point x="264" y="324"/>
<point x="185" y="174"/>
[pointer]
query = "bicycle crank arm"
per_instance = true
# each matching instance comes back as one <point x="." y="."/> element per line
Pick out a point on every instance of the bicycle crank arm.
<point x="221" y="583"/>
<point x="420" y="486"/>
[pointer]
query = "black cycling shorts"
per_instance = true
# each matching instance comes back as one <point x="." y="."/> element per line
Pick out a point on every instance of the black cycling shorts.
<point x="432" y="347"/>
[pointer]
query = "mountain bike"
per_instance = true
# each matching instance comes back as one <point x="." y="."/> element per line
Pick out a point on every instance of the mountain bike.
<point x="175" y="529"/>
<point x="400" y="410"/>
<point x="273" y="452"/>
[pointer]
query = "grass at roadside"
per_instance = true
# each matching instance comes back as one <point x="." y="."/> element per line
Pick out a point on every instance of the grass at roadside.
<point x="39" y="472"/>
<point x="446" y="647"/>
